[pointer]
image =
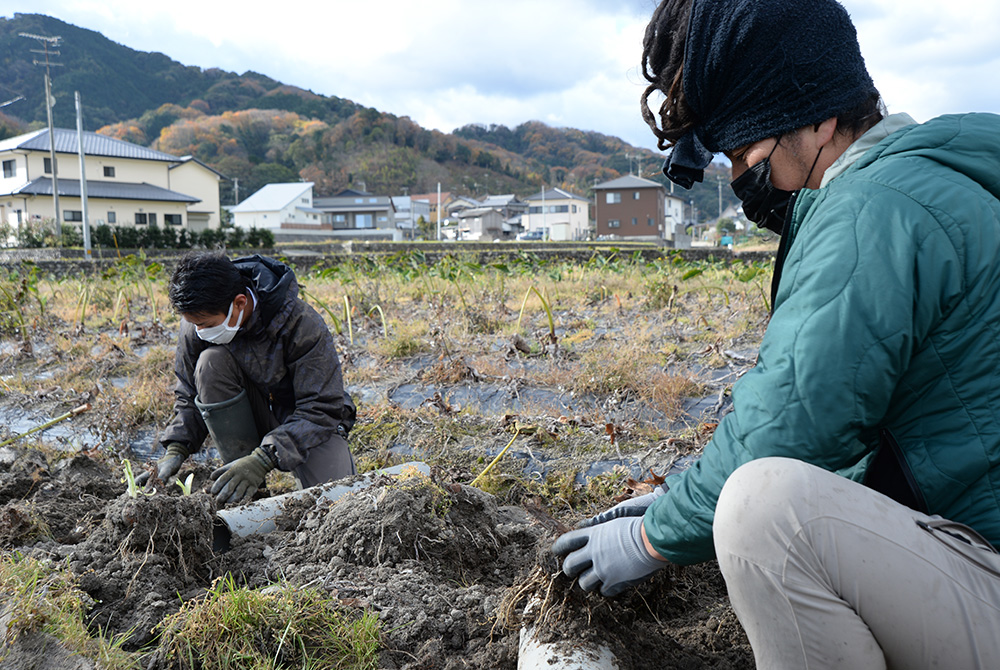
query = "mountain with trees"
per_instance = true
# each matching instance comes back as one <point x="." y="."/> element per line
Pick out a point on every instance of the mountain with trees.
<point x="256" y="130"/>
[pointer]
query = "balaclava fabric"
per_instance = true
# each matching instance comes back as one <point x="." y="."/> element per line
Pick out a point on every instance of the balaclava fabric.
<point x="755" y="69"/>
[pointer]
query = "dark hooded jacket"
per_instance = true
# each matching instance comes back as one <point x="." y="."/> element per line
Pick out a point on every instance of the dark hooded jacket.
<point x="287" y="351"/>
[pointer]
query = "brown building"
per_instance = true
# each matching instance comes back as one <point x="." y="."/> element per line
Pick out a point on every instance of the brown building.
<point x="630" y="207"/>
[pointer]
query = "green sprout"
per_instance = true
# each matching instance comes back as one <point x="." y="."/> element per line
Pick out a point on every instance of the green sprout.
<point x="133" y="489"/>
<point x="185" y="485"/>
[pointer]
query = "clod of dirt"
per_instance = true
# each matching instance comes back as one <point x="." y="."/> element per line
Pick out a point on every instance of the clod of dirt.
<point x="146" y="552"/>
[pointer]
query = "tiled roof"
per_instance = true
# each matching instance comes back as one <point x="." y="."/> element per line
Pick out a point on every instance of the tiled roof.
<point x="66" y="142"/>
<point x="105" y="190"/>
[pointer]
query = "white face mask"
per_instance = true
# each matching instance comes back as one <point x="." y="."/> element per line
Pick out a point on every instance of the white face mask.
<point x="223" y="333"/>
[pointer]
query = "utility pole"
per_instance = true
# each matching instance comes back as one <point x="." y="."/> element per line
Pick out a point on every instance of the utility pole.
<point x="83" y="178"/>
<point x="718" y="178"/>
<point x="46" y="43"/>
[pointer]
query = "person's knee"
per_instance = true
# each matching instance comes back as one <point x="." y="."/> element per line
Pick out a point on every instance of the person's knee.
<point x="759" y="501"/>
<point x="215" y="369"/>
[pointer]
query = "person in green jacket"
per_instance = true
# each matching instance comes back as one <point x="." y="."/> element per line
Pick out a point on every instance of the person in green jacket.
<point x="852" y="496"/>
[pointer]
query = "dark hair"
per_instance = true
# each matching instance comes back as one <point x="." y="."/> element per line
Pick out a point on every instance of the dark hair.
<point x="663" y="48"/>
<point x="205" y="283"/>
<point x="855" y="121"/>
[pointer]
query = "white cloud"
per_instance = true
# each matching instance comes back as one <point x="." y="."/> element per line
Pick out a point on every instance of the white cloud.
<point x="446" y="63"/>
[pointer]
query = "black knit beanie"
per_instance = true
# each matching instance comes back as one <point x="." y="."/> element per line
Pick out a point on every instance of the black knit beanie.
<point x="755" y="69"/>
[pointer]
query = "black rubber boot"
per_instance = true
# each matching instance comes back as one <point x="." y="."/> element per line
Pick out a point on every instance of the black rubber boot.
<point x="231" y="425"/>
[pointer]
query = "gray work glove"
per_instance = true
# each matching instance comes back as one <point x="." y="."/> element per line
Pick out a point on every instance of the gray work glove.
<point x="240" y="479"/>
<point x="632" y="507"/>
<point x="610" y="556"/>
<point x="168" y="465"/>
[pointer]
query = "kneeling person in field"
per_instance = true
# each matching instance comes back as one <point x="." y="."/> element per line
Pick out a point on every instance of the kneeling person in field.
<point x="258" y="370"/>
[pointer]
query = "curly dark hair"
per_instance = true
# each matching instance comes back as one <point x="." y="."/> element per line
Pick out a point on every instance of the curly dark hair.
<point x="663" y="48"/>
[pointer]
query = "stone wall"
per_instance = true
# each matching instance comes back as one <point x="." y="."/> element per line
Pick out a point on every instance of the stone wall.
<point x="72" y="262"/>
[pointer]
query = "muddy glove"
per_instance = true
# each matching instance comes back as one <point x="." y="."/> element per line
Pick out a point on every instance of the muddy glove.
<point x="239" y="479"/>
<point x="168" y="466"/>
<point x="610" y="556"/>
<point x="632" y="507"/>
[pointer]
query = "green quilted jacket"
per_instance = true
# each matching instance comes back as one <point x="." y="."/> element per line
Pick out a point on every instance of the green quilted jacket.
<point x="884" y="344"/>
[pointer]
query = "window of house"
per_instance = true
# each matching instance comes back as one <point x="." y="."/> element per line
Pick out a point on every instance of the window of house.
<point x="363" y="221"/>
<point x="574" y="209"/>
<point x="305" y="201"/>
<point x="140" y="219"/>
<point x="9" y="168"/>
<point x="173" y="219"/>
<point x="339" y="218"/>
<point x="635" y="221"/>
<point x="614" y="223"/>
<point x="47" y="165"/>
<point x="614" y="198"/>
<point x="650" y="221"/>
<point x="152" y="218"/>
<point x="72" y="215"/>
<point x="109" y="171"/>
<point x="635" y="195"/>
<point x="383" y="219"/>
<point x="112" y="217"/>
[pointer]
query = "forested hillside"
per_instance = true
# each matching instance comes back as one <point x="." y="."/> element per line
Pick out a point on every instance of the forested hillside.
<point x="256" y="130"/>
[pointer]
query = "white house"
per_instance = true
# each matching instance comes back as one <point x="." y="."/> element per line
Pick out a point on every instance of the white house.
<point x="127" y="184"/>
<point x="565" y="215"/>
<point x="673" y="222"/>
<point x="278" y="206"/>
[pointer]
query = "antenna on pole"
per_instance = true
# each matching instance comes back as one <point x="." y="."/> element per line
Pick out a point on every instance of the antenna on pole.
<point x="48" y="49"/>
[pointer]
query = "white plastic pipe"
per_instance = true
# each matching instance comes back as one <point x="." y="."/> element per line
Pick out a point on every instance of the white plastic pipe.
<point x="564" y="655"/>
<point x="258" y="517"/>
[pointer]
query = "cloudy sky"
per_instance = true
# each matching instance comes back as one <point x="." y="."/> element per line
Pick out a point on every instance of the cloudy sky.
<point x="446" y="63"/>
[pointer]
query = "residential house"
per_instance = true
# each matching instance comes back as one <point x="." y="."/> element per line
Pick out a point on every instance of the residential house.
<point x="359" y="214"/>
<point x="673" y="222"/>
<point x="564" y="215"/>
<point x="193" y="177"/>
<point x="281" y="208"/>
<point x="509" y="204"/>
<point x="483" y="224"/>
<point x="409" y="211"/>
<point x="432" y="198"/>
<point x="630" y="207"/>
<point x="127" y="184"/>
<point x="459" y="204"/>
<point x="292" y="213"/>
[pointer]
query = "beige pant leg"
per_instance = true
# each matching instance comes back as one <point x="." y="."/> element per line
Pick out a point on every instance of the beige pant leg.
<point x="826" y="573"/>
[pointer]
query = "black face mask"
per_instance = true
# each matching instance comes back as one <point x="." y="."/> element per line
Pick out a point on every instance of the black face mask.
<point x="763" y="203"/>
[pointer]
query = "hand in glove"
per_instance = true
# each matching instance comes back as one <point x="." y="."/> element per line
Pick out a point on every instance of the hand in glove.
<point x="610" y="556"/>
<point x="239" y="479"/>
<point x="168" y="466"/>
<point x="632" y="507"/>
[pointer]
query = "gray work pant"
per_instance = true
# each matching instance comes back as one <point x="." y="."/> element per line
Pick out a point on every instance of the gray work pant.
<point x="826" y="573"/>
<point x="218" y="378"/>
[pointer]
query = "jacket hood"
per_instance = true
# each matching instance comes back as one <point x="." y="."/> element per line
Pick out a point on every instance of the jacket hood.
<point x="966" y="143"/>
<point x="271" y="281"/>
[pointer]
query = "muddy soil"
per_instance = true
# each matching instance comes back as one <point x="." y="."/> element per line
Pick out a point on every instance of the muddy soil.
<point x="438" y="561"/>
<point x="450" y="570"/>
